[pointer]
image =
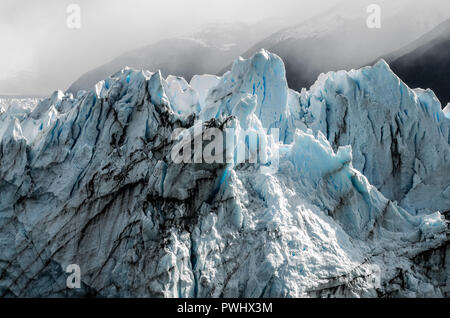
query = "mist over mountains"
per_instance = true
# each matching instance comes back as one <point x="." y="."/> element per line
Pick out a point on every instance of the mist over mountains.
<point x="203" y="52"/>
<point x="339" y="40"/>
<point x="336" y="40"/>
<point x="425" y="62"/>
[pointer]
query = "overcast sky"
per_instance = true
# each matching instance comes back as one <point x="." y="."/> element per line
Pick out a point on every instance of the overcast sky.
<point x="35" y="40"/>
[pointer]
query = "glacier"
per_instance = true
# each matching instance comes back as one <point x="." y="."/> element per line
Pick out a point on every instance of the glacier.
<point x="356" y="208"/>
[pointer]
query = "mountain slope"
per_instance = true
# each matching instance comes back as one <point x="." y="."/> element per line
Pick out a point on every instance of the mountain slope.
<point x="92" y="181"/>
<point x="340" y="40"/>
<point x="425" y="62"/>
<point x="203" y="52"/>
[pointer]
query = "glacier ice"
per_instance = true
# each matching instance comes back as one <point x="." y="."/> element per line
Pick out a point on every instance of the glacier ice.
<point x="202" y="84"/>
<point x="446" y="111"/>
<point x="399" y="136"/>
<point x="355" y="209"/>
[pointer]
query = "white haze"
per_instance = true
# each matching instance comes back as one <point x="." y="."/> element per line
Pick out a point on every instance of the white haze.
<point x="40" y="54"/>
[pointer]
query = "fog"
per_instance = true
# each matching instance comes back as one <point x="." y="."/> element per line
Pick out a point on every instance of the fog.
<point x="39" y="53"/>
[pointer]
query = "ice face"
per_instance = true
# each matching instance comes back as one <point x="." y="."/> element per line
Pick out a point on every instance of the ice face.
<point x="183" y="98"/>
<point x="263" y="76"/>
<point x="202" y="84"/>
<point x="446" y="111"/>
<point x="89" y="180"/>
<point x="399" y="136"/>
